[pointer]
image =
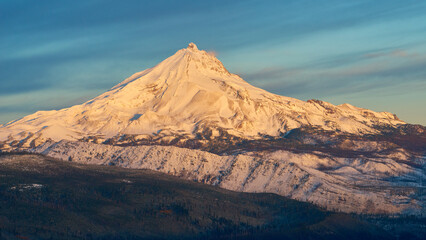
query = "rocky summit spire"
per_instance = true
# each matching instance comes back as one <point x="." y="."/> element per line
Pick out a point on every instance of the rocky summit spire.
<point x="192" y="46"/>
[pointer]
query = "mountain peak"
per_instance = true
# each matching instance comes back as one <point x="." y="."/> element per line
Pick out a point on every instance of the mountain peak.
<point x="187" y="93"/>
<point x="192" y="46"/>
<point x="195" y="60"/>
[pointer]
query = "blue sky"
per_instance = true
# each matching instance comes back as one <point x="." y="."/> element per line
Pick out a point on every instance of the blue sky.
<point x="371" y="54"/>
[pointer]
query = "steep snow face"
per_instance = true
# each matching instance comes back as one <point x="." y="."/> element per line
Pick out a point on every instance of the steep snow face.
<point x="187" y="93"/>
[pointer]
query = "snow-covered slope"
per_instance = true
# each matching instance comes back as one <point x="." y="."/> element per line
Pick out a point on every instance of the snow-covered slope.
<point x="188" y="93"/>
<point x="387" y="183"/>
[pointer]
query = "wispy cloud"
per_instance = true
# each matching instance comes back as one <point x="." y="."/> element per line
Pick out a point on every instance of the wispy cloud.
<point x="270" y="73"/>
<point x="362" y="72"/>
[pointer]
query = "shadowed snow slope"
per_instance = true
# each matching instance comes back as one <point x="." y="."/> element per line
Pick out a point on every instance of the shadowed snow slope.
<point x="187" y="93"/>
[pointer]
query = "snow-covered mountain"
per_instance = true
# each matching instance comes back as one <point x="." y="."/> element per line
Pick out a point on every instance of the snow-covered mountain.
<point x="188" y="93"/>
<point x="216" y="128"/>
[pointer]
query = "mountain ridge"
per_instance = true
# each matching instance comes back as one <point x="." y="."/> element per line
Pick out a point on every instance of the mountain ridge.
<point x="75" y="201"/>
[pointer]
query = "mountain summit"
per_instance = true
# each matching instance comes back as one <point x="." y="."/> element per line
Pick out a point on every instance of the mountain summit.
<point x="187" y="94"/>
<point x="192" y="46"/>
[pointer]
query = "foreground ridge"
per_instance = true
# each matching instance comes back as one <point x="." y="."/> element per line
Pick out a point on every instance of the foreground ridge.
<point x="348" y="184"/>
<point x="141" y="204"/>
